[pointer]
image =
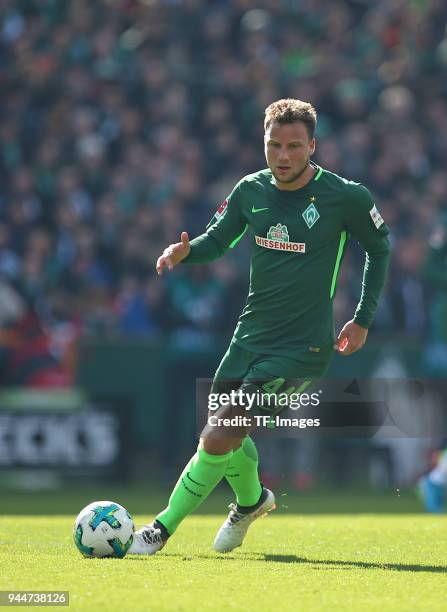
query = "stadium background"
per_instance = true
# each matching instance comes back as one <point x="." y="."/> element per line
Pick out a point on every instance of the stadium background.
<point x="124" y="122"/>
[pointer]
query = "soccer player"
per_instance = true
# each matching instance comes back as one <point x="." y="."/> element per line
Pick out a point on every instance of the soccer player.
<point x="434" y="485"/>
<point x="299" y="217"/>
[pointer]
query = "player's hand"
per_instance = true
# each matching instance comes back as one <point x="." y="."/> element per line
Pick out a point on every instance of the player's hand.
<point x="174" y="254"/>
<point x="351" y="338"/>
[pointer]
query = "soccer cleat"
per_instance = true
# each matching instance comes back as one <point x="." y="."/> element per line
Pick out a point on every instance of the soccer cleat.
<point x="232" y="533"/>
<point x="147" y="541"/>
<point x="432" y="494"/>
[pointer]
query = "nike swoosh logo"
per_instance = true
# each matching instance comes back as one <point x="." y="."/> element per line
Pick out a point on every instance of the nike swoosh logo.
<point x="194" y="481"/>
<point x="256" y="210"/>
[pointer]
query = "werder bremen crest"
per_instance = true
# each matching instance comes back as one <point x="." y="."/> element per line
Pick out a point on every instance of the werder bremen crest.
<point x="278" y="232"/>
<point x="311" y="215"/>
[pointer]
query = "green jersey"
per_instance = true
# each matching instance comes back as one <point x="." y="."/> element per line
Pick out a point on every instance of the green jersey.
<point x="298" y="239"/>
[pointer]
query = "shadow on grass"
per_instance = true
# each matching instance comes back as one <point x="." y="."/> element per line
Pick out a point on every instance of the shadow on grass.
<point x="398" y="567"/>
<point x="327" y="563"/>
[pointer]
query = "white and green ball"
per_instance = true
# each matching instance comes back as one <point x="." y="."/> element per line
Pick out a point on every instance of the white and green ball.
<point x="103" y="529"/>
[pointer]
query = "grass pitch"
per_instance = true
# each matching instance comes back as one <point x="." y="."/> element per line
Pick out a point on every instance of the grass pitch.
<point x="288" y="562"/>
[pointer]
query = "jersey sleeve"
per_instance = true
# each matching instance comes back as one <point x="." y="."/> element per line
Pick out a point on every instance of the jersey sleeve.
<point x="364" y="223"/>
<point x="434" y="267"/>
<point x="223" y="232"/>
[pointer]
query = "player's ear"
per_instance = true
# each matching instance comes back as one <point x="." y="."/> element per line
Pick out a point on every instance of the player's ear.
<point x="312" y="146"/>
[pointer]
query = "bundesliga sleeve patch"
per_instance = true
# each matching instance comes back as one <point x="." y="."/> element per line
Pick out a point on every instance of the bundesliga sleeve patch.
<point x="221" y="210"/>
<point x="375" y="216"/>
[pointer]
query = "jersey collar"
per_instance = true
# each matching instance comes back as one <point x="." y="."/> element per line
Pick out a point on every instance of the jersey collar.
<point x="318" y="172"/>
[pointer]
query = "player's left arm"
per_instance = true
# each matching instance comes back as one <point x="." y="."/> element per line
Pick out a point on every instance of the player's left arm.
<point x="363" y="221"/>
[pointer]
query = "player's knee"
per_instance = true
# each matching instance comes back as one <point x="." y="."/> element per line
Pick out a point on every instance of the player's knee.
<point x="218" y="446"/>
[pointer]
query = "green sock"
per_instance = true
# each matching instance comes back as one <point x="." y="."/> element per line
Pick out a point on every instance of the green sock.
<point x="242" y="474"/>
<point x="198" y="479"/>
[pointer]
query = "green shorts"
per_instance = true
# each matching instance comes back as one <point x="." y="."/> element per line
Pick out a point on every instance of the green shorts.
<point x="250" y="372"/>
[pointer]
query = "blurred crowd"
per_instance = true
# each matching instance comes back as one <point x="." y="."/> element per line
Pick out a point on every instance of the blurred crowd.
<point x="123" y="122"/>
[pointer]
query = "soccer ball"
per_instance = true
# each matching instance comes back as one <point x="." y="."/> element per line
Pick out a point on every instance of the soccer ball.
<point x="103" y="529"/>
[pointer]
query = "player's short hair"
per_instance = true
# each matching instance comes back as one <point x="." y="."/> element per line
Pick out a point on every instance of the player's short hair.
<point x="290" y="110"/>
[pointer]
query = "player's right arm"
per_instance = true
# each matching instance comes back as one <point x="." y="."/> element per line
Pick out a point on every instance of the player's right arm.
<point x="174" y="254"/>
<point x="222" y="233"/>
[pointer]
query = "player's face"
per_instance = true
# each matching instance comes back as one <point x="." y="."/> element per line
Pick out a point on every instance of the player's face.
<point x="287" y="150"/>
